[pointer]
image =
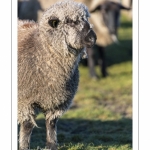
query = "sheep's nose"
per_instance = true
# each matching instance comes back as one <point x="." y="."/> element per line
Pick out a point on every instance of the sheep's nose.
<point x="90" y="38"/>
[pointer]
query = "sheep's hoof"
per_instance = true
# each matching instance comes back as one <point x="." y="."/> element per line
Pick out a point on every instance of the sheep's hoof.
<point x="51" y="146"/>
<point x="95" y="77"/>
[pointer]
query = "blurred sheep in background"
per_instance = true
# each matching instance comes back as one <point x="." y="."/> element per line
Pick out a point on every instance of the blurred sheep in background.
<point x="29" y="9"/>
<point x="105" y="16"/>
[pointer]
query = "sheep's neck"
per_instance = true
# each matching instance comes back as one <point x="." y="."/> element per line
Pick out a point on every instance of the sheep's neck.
<point x="58" y="64"/>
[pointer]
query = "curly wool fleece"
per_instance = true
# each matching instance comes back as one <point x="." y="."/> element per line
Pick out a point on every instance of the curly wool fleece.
<point x="47" y="72"/>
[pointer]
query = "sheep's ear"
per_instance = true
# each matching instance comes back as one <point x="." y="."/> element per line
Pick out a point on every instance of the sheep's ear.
<point x="53" y="22"/>
<point x="123" y="7"/>
<point x="97" y="8"/>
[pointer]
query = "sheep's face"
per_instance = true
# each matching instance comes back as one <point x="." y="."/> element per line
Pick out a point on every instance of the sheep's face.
<point x="110" y="12"/>
<point x="65" y="26"/>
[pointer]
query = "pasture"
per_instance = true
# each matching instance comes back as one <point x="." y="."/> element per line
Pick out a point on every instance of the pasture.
<point x="100" y="117"/>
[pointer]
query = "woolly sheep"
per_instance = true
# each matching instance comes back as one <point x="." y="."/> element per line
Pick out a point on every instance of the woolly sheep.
<point x="48" y="57"/>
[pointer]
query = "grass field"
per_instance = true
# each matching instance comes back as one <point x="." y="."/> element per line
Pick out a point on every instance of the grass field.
<point x="101" y="115"/>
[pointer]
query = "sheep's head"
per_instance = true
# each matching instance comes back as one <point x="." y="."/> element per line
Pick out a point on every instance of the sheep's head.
<point x="110" y="12"/>
<point x="65" y="27"/>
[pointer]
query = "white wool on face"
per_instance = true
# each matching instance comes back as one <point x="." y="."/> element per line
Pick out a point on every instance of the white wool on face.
<point x="67" y="8"/>
<point x="65" y="34"/>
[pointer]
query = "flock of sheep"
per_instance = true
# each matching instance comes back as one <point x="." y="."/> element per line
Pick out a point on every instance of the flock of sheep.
<point x="49" y="53"/>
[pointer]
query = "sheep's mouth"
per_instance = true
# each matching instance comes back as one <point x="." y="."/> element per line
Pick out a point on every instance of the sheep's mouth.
<point x="74" y="51"/>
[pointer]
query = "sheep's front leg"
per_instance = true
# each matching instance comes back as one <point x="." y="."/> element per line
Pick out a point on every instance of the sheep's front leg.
<point x="51" y="134"/>
<point x="24" y="136"/>
<point x="102" y="61"/>
<point x="91" y="64"/>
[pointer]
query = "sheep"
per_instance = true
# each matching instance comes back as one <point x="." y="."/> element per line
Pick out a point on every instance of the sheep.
<point x="48" y="57"/>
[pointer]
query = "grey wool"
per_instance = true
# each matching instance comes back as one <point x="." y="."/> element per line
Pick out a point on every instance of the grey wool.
<point x="48" y="57"/>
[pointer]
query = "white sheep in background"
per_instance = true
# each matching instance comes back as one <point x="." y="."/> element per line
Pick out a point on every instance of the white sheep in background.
<point x="48" y="56"/>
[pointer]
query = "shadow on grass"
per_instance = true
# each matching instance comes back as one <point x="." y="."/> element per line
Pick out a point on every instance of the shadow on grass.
<point x="126" y="24"/>
<point x="118" y="53"/>
<point x="86" y="131"/>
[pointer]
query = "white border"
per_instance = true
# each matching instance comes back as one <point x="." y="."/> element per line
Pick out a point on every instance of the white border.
<point x="135" y="77"/>
<point x="14" y="74"/>
<point x="5" y="75"/>
<point x="144" y="75"/>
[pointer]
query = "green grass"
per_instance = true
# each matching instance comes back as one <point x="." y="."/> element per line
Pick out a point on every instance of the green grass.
<point x="101" y="114"/>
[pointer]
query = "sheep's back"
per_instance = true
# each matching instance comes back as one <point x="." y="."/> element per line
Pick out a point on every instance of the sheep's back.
<point x="26" y="58"/>
<point x="25" y="33"/>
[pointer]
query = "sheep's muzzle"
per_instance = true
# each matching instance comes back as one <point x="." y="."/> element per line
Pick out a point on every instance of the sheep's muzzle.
<point x="90" y="38"/>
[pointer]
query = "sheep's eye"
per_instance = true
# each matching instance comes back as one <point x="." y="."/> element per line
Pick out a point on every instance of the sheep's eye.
<point x="53" y="23"/>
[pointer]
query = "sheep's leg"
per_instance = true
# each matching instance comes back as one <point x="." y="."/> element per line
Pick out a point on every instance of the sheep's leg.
<point x="91" y="64"/>
<point x="51" y="134"/>
<point x="24" y="136"/>
<point x="102" y="61"/>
